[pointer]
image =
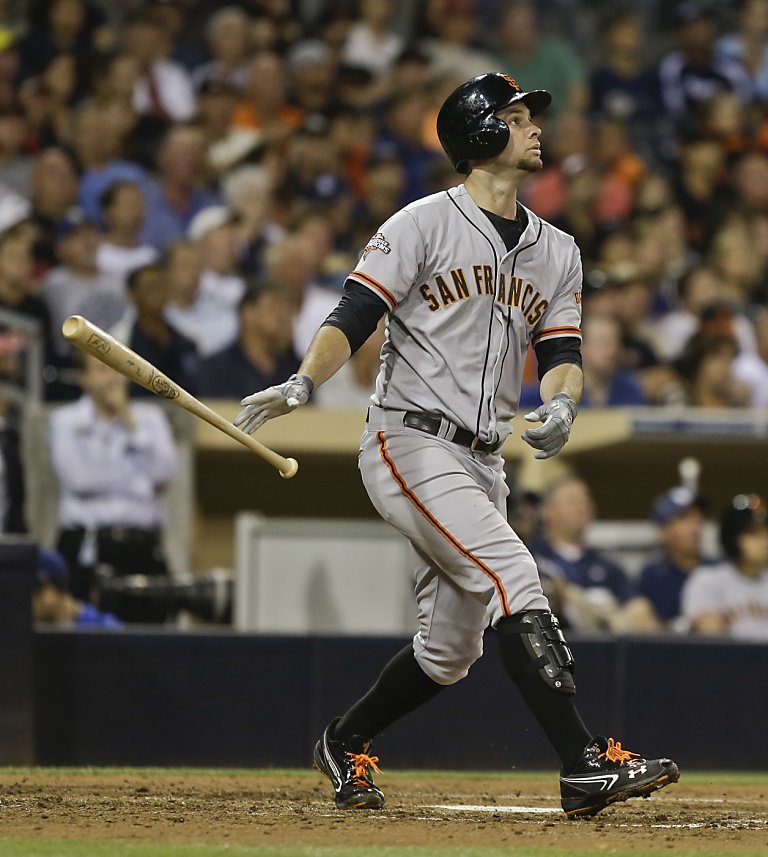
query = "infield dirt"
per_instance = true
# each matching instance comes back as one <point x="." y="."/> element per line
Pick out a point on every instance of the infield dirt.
<point x="290" y="808"/>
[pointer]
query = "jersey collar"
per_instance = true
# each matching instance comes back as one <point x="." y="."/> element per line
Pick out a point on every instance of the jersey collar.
<point x="464" y="200"/>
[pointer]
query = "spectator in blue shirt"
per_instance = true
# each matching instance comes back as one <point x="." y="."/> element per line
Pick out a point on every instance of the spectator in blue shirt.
<point x="52" y="600"/>
<point x="179" y="192"/>
<point x="588" y="589"/>
<point x="679" y="515"/>
<point x="606" y="382"/>
<point x="262" y="355"/>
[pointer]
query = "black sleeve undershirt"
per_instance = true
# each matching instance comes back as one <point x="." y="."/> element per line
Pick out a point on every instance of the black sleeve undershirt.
<point x="554" y="352"/>
<point x="357" y="313"/>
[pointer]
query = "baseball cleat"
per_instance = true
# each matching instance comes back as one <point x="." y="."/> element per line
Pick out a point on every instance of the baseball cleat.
<point x="348" y="766"/>
<point x="607" y="773"/>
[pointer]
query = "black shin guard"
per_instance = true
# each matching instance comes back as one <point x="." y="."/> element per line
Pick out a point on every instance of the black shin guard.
<point x="401" y="688"/>
<point x="537" y="658"/>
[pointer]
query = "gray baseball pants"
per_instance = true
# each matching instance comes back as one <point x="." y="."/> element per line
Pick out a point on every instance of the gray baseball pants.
<point x="449" y="502"/>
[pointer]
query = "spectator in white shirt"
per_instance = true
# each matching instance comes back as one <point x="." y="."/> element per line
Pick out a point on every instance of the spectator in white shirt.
<point x="113" y="459"/>
<point x="731" y="599"/>
<point x="121" y="251"/>
<point x="164" y="88"/>
<point x="215" y="232"/>
<point x="208" y="323"/>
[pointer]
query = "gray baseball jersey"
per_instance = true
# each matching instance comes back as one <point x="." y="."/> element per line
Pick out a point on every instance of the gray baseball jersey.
<point x="463" y="308"/>
<point x="462" y="311"/>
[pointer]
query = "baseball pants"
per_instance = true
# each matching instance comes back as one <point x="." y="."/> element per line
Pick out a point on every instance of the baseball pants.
<point x="450" y="503"/>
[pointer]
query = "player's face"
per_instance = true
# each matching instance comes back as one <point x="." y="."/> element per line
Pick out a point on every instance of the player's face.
<point x="524" y="149"/>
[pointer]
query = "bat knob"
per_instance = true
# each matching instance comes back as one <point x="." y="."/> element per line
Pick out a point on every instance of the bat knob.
<point x="291" y="470"/>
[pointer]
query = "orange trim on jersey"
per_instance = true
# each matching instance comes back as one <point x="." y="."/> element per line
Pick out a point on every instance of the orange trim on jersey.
<point x="375" y="284"/>
<point x="438" y="526"/>
<point x="557" y="331"/>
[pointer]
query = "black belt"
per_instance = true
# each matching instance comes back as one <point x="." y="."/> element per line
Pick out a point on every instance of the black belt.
<point x="430" y="423"/>
<point x="120" y="534"/>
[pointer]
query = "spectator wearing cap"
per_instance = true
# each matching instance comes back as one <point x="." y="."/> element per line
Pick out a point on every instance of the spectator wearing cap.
<point x="547" y="62"/>
<point x="262" y="354"/>
<point x="452" y="53"/>
<point x="76" y="285"/>
<point x="371" y="44"/>
<point x="679" y="516"/>
<point x="145" y="329"/>
<point x="163" y="88"/>
<point x="97" y="145"/>
<point x="214" y="230"/>
<point x="692" y="73"/>
<point x="121" y="250"/>
<point x="179" y="192"/>
<point x="227" y="34"/>
<point x="265" y="107"/>
<point x="52" y="600"/>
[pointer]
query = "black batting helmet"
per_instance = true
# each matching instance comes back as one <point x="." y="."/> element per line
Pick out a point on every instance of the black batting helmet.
<point x="467" y="125"/>
<point x="744" y="512"/>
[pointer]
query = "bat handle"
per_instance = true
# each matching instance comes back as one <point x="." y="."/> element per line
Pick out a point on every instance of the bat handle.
<point x="291" y="470"/>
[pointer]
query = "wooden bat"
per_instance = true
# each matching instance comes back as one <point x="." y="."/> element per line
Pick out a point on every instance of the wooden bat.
<point x="91" y="339"/>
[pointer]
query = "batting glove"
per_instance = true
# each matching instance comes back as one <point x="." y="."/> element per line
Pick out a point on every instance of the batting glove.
<point x="557" y="415"/>
<point x="273" y="402"/>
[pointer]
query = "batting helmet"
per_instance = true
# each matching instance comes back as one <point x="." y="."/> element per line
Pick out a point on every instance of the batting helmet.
<point x="745" y="511"/>
<point x="467" y="125"/>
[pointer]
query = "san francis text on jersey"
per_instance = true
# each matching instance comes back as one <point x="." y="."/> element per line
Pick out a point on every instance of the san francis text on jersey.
<point x="457" y="286"/>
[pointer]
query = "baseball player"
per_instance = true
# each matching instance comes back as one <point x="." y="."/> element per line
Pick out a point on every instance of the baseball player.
<point x="467" y="277"/>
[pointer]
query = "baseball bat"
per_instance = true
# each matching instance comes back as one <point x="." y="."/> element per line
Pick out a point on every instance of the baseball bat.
<point x="93" y="340"/>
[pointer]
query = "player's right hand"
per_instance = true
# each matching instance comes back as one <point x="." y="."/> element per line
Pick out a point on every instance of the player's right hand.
<point x="273" y="402"/>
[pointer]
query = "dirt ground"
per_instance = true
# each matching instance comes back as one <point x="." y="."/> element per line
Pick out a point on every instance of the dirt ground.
<point x="296" y="808"/>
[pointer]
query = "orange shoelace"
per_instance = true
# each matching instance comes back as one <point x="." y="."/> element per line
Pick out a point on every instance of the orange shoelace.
<point x="362" y="761"/>
<point x="616" y="753"/>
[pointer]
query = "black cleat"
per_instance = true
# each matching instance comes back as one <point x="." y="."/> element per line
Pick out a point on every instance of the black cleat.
<point x="606" y="773"/>
<point x="348" y="766"/>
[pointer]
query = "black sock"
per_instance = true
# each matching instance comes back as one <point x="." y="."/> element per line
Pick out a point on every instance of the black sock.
<point x="402" y="687"/>
<point x="554" y="710"/>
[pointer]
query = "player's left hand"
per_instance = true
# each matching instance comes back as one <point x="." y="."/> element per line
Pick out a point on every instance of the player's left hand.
<point x="557" y="417"/>
<point x="273" y="402"/>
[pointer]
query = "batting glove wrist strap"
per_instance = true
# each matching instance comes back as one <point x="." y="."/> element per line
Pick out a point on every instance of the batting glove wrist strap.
<point x="274" y="402"/>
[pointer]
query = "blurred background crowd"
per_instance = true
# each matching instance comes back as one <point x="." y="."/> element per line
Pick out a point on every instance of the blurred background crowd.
<point x="199" y="176"/>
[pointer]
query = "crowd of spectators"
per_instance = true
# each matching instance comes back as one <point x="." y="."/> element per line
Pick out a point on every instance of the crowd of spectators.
<point x="199" y="176"/>
<point x="240" y="146"/>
